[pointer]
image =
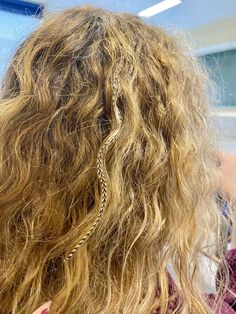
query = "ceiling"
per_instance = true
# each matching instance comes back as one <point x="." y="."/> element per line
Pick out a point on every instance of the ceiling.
<point x="188" y="15"/>
<point x="210" y="23"/>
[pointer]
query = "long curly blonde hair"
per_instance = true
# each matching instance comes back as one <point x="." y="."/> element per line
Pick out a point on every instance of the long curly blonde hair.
<point x="55" y="115"/>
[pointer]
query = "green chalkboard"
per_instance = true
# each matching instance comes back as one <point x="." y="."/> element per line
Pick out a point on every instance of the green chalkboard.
<point x="222" y="69"/>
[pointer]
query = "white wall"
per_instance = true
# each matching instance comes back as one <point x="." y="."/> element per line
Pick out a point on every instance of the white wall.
<point x="13" y="29"/>
<point x="225" y="122"/>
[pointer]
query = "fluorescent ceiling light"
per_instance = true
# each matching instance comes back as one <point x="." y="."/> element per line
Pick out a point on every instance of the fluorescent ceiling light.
<point x="159" y="7"/>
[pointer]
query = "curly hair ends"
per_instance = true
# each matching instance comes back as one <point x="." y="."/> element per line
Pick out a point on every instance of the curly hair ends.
<point x="56" y="113"/>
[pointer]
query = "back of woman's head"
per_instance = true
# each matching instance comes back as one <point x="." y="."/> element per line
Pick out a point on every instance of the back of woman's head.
<point x="103" y="132"/>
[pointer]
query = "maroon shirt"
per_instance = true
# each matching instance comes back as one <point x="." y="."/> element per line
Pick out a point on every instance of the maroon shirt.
<point x="229" y="301"/>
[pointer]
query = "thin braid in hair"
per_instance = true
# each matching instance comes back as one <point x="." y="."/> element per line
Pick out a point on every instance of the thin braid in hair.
<point x="100" y="164"/>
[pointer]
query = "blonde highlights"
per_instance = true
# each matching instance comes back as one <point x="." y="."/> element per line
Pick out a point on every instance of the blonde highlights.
<point x="62" y="119"/>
